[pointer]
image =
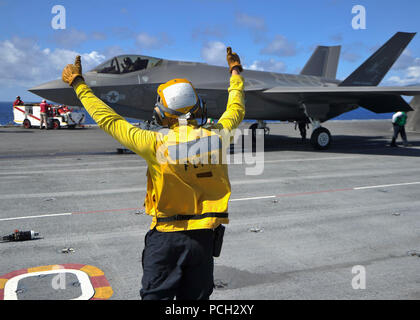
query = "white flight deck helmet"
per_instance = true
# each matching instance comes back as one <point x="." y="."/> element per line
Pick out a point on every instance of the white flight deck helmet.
<point x="177" y="99"/>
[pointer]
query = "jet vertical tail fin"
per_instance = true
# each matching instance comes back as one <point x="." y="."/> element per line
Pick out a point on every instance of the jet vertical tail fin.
<point x="374" y="69"/>
<point x="323" y="62"/>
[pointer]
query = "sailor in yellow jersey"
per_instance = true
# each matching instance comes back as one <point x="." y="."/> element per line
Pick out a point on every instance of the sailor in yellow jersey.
<point x="188" y="187"/>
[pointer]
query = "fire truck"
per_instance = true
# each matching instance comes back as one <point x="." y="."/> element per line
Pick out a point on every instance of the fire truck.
<point x="58" y="116"/>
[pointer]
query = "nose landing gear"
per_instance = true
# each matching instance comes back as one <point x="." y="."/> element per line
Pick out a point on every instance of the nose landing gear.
<point x="259" y="125"/>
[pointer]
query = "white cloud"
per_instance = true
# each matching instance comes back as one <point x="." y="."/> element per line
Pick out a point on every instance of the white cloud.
<point x="147" y="41"/>
<point x="251" y="22"/>
<point x="406" y="70"/>
<point x="414" y="72"/>
<point x="214" y="52"/>
<point x="99" y="35"/>
<point x="25" y="63"/>
<point x="350" y="56"/>
<point x="409" y="76"/>
<point x="406" y="60"/>
<point x="69" y="38"/>
<point x="205" y="32"/>
<point x="280" y="46"/>
<point x="113" y="51"/>
<point x="267" y="65"/>
<point x="338" y="37"/>
<point x="255" y="25"/>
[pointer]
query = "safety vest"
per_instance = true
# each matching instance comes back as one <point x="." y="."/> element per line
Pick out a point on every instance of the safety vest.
<point x="401" y="120"/>
<point x="188" y="186"/>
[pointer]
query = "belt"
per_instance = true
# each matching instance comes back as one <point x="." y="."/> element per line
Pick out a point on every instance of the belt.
<point x="183" y="217"/>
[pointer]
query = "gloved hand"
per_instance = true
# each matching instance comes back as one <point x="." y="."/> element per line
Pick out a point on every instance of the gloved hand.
<point x="72" y="71"/>
<point x="233" y="60"/>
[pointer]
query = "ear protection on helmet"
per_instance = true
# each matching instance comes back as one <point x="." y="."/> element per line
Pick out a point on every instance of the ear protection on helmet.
<point x="159" y="116"/>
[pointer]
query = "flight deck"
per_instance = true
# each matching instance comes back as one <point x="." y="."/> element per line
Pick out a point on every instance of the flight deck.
<point x="337" y="224"/>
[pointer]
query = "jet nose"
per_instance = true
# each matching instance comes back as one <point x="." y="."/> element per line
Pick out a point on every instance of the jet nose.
<point x="56" y="91"/>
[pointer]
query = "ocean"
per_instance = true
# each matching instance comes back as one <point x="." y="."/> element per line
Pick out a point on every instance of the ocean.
<point x="6" y="115"/>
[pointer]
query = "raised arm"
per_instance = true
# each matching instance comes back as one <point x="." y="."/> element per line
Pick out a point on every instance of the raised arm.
<point x="142" y="142"/>
<point x="235" y="110"/>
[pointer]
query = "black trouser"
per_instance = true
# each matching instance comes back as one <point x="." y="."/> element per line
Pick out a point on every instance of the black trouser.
<point x="178" y="264"/>
<point x="302" y="129"/>
<point x="399" y="130"/>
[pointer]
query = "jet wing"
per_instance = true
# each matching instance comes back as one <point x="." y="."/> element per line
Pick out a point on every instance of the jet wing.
<point x="404" y="91"/>
<point x="376" y="99"/>
<point x="249" y="85"/>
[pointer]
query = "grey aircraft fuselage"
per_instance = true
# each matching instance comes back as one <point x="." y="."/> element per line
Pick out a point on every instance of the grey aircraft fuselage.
<point x="134" y="94"/>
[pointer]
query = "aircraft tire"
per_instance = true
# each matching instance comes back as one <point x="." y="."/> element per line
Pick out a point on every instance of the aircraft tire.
<point x="321" y="139"/>
<point x="56" y="124"/>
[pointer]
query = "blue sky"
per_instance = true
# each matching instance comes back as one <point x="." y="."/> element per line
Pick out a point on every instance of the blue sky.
<point x="268" y="35"/>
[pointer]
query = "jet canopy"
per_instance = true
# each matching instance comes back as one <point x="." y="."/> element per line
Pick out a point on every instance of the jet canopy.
<point x="126" y="64"/>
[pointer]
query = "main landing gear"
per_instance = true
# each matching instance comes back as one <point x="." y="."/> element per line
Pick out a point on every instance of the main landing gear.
<point x="321" y="137"/>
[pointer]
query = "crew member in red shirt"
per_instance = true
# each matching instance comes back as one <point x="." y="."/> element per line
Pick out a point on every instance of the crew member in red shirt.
<point x="44" y="114"/>
<point x="18" y="102"/>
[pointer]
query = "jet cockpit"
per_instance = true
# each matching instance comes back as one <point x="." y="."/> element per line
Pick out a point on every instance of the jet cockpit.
<point x="126" y="64"/>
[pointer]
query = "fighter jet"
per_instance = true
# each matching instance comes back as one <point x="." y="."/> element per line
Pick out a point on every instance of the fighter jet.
<point x="128" y="84"/>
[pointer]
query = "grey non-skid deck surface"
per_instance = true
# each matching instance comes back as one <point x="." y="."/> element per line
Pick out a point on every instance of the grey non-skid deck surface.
<point x="296" y="230"/>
